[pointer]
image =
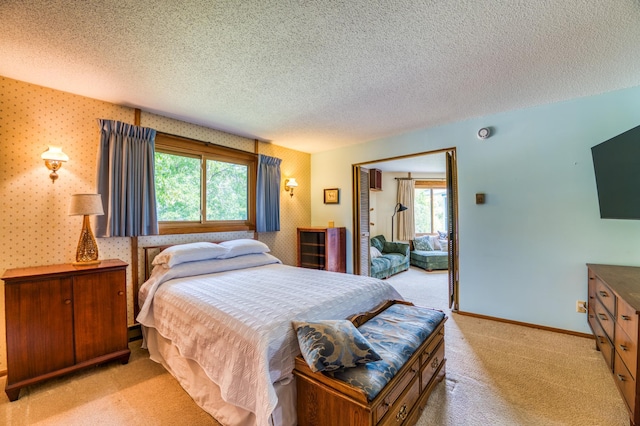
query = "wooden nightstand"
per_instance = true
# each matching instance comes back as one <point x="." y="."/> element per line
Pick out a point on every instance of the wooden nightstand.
<point x="61" y="318"/>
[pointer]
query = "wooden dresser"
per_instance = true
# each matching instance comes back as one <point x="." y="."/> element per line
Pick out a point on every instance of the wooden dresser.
<point x="613" y="315"/>
<point x="61" y="318"/>
<point x="322" y="248"/>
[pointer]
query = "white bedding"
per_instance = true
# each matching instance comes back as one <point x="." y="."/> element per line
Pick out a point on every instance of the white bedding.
<point x="237" y="323"/>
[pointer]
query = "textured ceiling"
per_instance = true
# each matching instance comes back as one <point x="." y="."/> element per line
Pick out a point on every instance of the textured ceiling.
<point x="316" y="75"/>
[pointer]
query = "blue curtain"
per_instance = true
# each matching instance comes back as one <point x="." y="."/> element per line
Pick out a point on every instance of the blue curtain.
<point x="126" y="180"/>
<point x="268" y="194"/>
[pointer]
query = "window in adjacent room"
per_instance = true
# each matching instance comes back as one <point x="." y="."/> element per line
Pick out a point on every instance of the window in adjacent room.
<point x="202" y="187"/>
<point x="430" y="207"/>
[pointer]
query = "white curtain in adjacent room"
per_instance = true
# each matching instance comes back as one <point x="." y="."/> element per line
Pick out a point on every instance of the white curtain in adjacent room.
<point x="406" y="228"/>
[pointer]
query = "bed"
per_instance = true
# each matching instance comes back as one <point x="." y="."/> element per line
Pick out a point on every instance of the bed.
<point x="221" y="324"/>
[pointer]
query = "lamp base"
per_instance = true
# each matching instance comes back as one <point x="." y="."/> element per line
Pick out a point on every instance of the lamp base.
<point x="87" y="251"/>
<point x="88" y="263"/>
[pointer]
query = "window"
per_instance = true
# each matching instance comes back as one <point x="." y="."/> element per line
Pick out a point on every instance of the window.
<point x="430" y="207"/>
<point x="202" y="187"/>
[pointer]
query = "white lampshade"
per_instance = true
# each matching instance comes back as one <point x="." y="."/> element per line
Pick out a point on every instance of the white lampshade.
<point x="54" y="153"/>
<point x="291" y="183"/>
<point x="86" y="204"/>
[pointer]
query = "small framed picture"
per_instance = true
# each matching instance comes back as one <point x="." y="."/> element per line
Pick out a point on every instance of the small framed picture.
<point x="332" y="196"/>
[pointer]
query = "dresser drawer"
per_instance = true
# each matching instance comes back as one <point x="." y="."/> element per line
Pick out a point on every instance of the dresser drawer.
<point x="402" y="407"/>
<point x="626" y="384"/>
<point x="391" y="399"/>
<point x="627" y="348"/>
<point x="591" y="305"/>
<point x="432" y="364"/>
<point x="627" y="318"/>
<point x="605" y="319"/>
<point x="429" y="350"/>
<point x="605" y="295"/>
<point x="604" y="344"/>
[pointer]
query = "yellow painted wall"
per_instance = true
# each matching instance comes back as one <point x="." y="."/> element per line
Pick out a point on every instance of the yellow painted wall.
<point x="34" y="226"/>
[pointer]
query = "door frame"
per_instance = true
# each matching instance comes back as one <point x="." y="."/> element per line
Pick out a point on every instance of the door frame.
<point x="357" y="219"/>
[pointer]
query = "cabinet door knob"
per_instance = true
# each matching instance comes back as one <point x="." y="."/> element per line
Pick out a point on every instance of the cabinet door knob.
<point x="623" y="347"/>
<point x="120" y="293"/>
<point x="625" y="317"/>
<point x="67" y="301"/>
<point x="603" y="293"/>
<point x="603" y="317"/>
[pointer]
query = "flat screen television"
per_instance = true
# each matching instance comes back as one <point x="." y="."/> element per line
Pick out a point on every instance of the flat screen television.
<point x="616" y="163"/>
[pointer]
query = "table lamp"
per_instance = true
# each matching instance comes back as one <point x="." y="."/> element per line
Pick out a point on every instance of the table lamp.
<point x="86" y="205"/>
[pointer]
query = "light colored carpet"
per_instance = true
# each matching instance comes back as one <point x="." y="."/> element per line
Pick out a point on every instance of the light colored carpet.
<point x="138" y="393"/>
<point x="497" y="374"/>
<point x="505" y="374"/>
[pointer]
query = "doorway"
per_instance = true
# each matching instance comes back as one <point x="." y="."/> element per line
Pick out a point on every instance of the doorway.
<point x="440" y="164"/>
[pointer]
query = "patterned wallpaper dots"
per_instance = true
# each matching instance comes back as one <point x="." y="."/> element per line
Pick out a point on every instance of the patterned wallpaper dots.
<point x="193" y="131"/>
<point x="35" y="228"/>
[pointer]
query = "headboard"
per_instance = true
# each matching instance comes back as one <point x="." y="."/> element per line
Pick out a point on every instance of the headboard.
<point x="149" y="253"/>
<point x="145" y="249"/>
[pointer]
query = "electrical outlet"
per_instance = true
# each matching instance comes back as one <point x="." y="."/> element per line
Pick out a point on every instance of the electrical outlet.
<point x="581" y="306"/>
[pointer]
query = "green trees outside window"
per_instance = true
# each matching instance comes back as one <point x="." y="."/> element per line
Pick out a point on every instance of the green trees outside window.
<point x="226" y="191"/>
<point x="177" y="187"/>
<point x="202" y="187"/>
<point x="430" y="212"/>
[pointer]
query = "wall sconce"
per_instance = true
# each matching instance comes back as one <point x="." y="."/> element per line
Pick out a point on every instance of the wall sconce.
<point x="289" y="184"/>
<point x="53" y="159"/>
<point x="85" y="205"/>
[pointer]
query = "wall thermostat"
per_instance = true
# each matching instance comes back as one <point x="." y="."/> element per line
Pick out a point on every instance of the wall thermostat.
<point x="484" y="133"/>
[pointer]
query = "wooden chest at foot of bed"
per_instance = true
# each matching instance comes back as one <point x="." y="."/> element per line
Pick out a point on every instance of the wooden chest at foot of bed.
<point x="324" y="400"/>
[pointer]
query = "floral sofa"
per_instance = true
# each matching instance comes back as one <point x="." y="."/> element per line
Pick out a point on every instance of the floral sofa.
<point x="388" y="258"/>
<point x="430" y="252"/>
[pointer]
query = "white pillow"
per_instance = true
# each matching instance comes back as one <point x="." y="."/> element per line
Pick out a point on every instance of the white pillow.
<point x="444" y="244"/>
<point x="243" y="246"/>
<point x="190" y="252"/>
<point x="374" y="252"/>
<point x="435" y="243"/>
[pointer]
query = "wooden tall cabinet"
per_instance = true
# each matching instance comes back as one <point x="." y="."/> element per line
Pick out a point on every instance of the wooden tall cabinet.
<point x="322" y="248"/>
<point x="61" y="318"/>
<point x="614" y="315"/>
<point x="375" y="179"/>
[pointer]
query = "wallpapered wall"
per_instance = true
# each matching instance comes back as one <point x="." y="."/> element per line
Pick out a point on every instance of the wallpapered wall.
<point x="35" y="228"/>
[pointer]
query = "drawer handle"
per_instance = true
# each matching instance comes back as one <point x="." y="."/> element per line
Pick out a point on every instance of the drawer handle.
<point x="621" y="377"/>
<point x="402" y="413"/>
<point x="603" y="293"/>
<point x="603" y="317"/>
<point x="625" y="317"/>
<point x="623" y="347"/>
<point x="435" y="363"/>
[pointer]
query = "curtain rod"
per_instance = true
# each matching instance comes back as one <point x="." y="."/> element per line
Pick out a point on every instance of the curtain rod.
<point x="407" y="178"/>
